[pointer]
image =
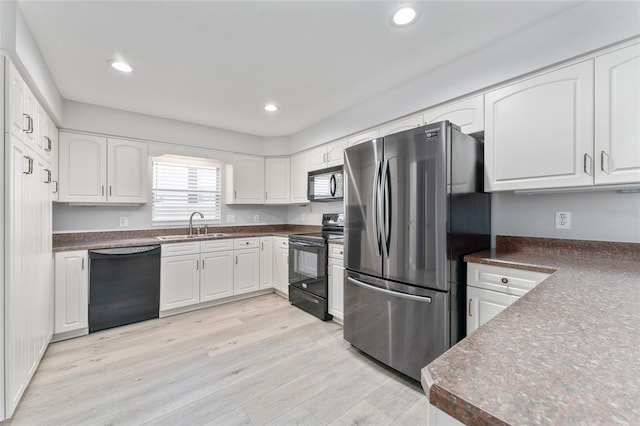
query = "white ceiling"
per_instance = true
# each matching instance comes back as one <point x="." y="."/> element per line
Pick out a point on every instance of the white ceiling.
<point x="218" y="62"/>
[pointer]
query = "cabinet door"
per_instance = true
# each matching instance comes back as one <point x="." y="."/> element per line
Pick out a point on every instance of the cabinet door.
<point x="266" y="262"/>
<point x="282" y="265"/>
<point x="539" y="132"/>
<point x="246" y="275"/>
<point x="71" y="291"/>
<point x="277" y="180"/>
<point x="216" y="275"/>
<point x="363" y="137"/>
<point x="299" y="177"/>
<point x="18" y="122"/>
<point x="617" y="133"/>
<point x="248" y="180"/>
<point x="179" y="281"/>
<point x="318" y="158"/>
<point x="83" y="168"/>
<point x="335" y="152"/>
<point x="127" y="171"/>
<point x="402" y="125"/>
<point x="482" y="305"/>
<point x="468" y="114"/>
<point x="336" y="288"/>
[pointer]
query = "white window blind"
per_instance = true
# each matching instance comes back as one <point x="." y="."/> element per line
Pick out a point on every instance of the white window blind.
<point x="181" y="187"/>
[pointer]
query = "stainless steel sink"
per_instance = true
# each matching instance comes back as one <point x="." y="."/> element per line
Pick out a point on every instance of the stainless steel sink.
<point x="190" y="237"/>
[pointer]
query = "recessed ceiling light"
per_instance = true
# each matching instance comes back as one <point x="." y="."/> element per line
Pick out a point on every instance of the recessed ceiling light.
<point x="121" y="66"/>
<point x="403" y="16"/>
<point x="271" y="107"/>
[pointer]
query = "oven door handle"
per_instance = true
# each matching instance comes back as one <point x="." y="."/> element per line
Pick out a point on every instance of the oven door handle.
<point x="426" y="299"/>
<point x="301" y="244"/>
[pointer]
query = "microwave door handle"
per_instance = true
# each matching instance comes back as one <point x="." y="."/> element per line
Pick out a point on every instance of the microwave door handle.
<point x="332" y="185"/>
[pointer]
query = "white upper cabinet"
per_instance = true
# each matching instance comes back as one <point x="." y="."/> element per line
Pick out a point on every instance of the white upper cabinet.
<point x="277" y="180"/>
<point x="539" y="131"/>
<point x="468" y="114"/>
<point x="401" y="125"/>
<point x="363" y="137"/>
<point x="94" y="170"/>
<point x="245" y="180"/>
<point x="126" y="171"/>
<point x="22" y="108"/>
<point x="617" y="132"/>
<point x="299" y="177"/>
<point x="327" y="155"/>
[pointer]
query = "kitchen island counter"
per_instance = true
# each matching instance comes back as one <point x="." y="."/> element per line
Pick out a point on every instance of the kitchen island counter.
<point x="567" y="352"/>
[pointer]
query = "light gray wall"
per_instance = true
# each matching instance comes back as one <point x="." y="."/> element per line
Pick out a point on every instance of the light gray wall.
<point x="92" y="118"/>
<point x="595" y="25"/>
<point x="602" y="216"/>
<point x="311" y="214"/>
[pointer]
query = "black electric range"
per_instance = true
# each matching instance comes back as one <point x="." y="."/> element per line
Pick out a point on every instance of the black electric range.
<point x="308" y="271"/>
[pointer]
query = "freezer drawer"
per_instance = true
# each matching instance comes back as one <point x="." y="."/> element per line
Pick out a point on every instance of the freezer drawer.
<point x="402" y="326"/>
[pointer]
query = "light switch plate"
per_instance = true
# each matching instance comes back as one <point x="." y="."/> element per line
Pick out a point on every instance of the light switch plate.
<point x="124" y="221"/>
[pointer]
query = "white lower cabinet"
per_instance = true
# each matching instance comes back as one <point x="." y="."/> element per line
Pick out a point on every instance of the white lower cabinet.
<point x="266" y="262"/>
<point x="490" y="289"/>
<point x="336" y="281"/>
<point x="179" y="281"/>
<point x="246" y="275"/>
<point x="71" y="294"/>
<point x="216" y="275"/>
<point x="281" y="264"/>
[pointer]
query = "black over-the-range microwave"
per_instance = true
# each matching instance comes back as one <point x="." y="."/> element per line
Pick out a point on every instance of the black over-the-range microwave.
<point x="326" y="184"/>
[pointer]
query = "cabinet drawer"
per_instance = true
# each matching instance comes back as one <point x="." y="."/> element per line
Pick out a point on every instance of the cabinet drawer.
<point x="216" y="245"/>
<point x="281" y="242"/>
<point x="505" y="280"/>
<point x="336" y="251"/>
<point x="176" y="249"/>
<point x="243" y="243"/>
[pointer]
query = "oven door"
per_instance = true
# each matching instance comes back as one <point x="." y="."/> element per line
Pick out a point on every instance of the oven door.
<point x="308" y="266"/>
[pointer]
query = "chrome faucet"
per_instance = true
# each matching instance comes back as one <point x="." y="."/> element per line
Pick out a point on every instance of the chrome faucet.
<point x="191" y="222"/>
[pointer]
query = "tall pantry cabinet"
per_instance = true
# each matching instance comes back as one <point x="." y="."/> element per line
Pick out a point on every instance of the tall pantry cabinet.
<point x="27" y="296"/>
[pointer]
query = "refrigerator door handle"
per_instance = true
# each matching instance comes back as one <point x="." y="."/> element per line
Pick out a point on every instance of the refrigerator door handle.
<point x="426" y="299"/>
<point x="386" y="207"/>
<point x="376" y="208"/>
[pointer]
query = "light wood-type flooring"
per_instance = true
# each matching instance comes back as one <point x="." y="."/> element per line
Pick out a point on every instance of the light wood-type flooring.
<point x="258" y="361"/>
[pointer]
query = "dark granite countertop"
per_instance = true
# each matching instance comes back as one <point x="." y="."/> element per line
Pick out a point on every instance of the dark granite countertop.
<point x="567" y="352"/>
<point x="98" y="240"/>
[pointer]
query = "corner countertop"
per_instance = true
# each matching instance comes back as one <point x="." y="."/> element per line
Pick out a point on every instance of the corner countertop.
<point x="567" y="352"/>
<point x="99" y="240"/>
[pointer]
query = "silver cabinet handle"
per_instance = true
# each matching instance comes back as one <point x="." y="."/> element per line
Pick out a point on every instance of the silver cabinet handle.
<point x="236" y="260"/>
<point x="203" y="264"/>
<point x="83" y="263"/>
<point x="197" y="265"/>
<point x="103" y="190"/>
<point x="56" y="190"/>
<point x="30" y="166"/>
<point x="109" y="190"/>
<point x="470" y="300"/>
<point x="602" y="155"/>
<point x="48" y="148"/>
<point x="266" y="195"/>
<point x="29" y="128"/>
<point x="426" y="299"/>
<point x="234" y="194"/>
<point x="587" y="171"/>
<point x="48" y="176"/>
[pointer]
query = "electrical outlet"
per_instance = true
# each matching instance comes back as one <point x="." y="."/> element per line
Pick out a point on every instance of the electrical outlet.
<point x="231" y="218"/>
<point x="124" y="221"/>
<point x="256" y="218"/>
<point x="563" y="220"/>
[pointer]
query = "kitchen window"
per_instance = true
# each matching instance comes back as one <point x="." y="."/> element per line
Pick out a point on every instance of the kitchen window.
<point x="183" y="185"/>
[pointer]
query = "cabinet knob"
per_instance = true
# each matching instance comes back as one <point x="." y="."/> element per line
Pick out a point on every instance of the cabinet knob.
<point x="505" y="281"/>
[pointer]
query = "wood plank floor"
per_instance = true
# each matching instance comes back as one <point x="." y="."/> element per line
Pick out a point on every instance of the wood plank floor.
<point x="258" y="361"/>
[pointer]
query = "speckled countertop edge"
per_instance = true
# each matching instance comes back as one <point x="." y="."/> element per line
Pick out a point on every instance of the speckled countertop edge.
<point x="526" y="366"/>
<point x="100" y="240"/>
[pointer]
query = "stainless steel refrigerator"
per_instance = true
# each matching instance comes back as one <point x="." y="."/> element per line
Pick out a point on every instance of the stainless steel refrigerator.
<point x="414" y="205"/>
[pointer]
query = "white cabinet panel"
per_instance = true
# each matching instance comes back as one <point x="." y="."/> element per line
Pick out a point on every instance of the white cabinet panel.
<point x="177" y="249"/>
<point x="516" y="282"/>
<point x="246" y="274"/>
<point x="71" y="291"/>
<point x="335" y="152"/>
<point x="539" y="131"/>
<point x="245" y="180"/>
<point x="281" y="264"/>
<point x="17" y="119"/>
<point x="468" y="114"/>
<point x="336" y="282"/>
<point x="318" y="158"/>
<point x="483" y="305"/>
<point x="363" y="137"/>
<point x="245" y="243"/>
<point x="83" y="168"/>
<point x="216" y="276"/>
<point x="179" y="281"/>
<point x="402" y="125"/>
<point x="266" y="262"/>
<point x="127" y="171"/>
<point x="277" y="180"/>
<point x="617" y="132"/>
<point x="299" y="177"/>
<point x="216" y="245"/>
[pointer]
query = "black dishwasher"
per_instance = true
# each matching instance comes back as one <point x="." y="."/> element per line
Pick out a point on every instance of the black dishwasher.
<point x="124" y="286"/>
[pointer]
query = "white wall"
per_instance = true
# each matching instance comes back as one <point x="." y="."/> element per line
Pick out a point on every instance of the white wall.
<point x="596" y="25"/>
<point x="602" y="216"/>
<point x="311" y="214"/>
